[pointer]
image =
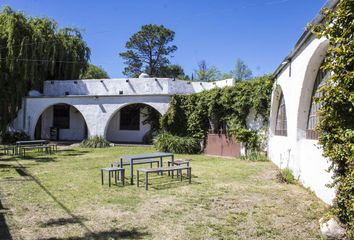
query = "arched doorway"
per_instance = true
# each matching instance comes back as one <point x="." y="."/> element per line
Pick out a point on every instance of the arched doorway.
<point x="61" y="122"/>
<point x="133" y="123"/>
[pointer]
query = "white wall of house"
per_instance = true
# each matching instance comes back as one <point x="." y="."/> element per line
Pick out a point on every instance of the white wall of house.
<point x="75" y="132"/>
<point x="115" y="134"/>
<point x="302" y="155"/>
<point x="99" y="100"/>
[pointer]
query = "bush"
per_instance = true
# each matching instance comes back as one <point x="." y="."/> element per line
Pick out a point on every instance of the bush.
<point x="253" y="155"/>
<point x="13" y="137"/>
<point x="95" y="142"/>
<point x="167" y="142"/>
<point x="286" y="176"/>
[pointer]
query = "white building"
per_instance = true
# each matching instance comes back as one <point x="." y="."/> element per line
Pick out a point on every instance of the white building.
<point x="113" y="108"/>
<point x="292" y="139"/>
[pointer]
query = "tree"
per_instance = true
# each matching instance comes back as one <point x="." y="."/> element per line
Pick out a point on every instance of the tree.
<point x="173" y="71"/>
<point x="94" y="72"/>
<point x="241" y="71"/>
<point x="336" y="127"/>
<point x="31" y="51"/>
<point x="205" y="73"/>
<point x="148" y="50"/>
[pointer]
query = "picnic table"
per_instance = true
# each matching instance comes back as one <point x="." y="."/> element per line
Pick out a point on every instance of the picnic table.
<point x="20" y="144"/>
<point x="132" y="158"/>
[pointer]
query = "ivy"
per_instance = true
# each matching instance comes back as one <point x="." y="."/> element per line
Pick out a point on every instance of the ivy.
<point x="337" y="106"/>
<point x="192" y="115"/>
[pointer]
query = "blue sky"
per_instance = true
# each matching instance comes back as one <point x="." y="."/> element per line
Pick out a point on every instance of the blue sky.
<point x="261" y="32"/>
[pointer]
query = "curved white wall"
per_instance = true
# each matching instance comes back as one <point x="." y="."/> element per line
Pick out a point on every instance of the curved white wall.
<point x="302" y="155"/>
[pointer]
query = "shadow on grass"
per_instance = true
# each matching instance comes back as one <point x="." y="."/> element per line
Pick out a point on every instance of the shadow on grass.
<point x="4" y="229"/>
<point x="161" y="183"/>
<point x="63" y="221"/>
<point x="72" y="152"/>
<point x="39" y="159"/>
<point x="119" y="234"/>
<point x="56" y="200"/>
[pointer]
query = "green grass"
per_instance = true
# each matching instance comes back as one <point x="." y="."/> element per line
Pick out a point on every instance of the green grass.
<point x="60" y="197"/>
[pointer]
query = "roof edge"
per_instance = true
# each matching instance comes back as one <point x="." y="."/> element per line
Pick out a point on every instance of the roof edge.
<point x="305" y="35"/>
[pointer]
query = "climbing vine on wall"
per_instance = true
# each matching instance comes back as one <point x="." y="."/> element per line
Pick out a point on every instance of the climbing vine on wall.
<point x="192" y="115"/>
<point x="337" y="106"/>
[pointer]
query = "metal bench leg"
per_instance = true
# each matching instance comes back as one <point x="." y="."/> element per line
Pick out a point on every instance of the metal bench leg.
<point x="137" y="178"/>
<point x="109" y="179"/>
<point x="180" y="173"/>
<point x="190" y="174"/>
<point x="102" y="181"/>
<point x="115" y="177"/>
<point x="146" y="181"/>
<point x="122" y="177"/>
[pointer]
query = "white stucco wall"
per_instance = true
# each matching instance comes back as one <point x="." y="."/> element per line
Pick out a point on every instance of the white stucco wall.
<point x="132" y="86"/>
<point x="302" y="155"/>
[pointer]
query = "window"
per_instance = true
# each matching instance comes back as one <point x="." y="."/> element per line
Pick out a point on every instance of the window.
<point x="313" y="118"/>
<point x="281" y="127"/>
<point x="130" y="118"/>
<point x="61" y="116"/>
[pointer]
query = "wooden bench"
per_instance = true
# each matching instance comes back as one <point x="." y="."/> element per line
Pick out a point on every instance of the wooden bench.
<point x="46" y="148"/>
<point x="163" y="169"/>
<point x="143" y="161"/>
<point x="111" y="171"/>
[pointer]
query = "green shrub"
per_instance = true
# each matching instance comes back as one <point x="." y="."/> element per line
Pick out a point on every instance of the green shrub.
<point x="13" y="137"/>
<point x="167" y="142"/>
<point x="253" y="155"/>
<point x="286" y="176"/>
<point x="95" y="142"/>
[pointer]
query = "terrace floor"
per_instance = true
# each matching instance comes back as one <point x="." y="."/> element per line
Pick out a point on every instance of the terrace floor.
<point x="60" y="197"/>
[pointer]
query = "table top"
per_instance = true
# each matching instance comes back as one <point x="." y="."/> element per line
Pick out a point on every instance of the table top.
<point x="31" y="142"/>
<point x="147" y="155"/>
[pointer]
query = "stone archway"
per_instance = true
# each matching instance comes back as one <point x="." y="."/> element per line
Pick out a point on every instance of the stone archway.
<point x="133" y="123"/>
<point x="60" y="121"/>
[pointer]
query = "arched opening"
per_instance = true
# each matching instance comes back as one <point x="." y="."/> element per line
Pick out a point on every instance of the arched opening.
<point x="133" y="123"/>
<point x="281" y="125"/>
<point x="313" y="116"/>
<point x="309" y="88"/>
<point x="61" y="122"/>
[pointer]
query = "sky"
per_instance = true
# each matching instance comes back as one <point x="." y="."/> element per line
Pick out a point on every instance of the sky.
<point x="260" y="32"/>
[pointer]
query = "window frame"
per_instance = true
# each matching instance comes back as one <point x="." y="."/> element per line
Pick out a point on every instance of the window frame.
<point x="127" y="112"/>
<point x="313" y="117"/>
<point x="60" y="120"/>
<point x="281" y="125"/>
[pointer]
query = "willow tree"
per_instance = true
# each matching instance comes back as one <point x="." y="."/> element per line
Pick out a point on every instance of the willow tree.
<point x="31" y="51"/>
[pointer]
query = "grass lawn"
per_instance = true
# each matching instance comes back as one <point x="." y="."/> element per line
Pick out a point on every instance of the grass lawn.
<point x="60" y="197"/>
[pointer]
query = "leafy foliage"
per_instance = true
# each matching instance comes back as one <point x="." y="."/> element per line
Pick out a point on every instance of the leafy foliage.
<point x="148" y="50"/>
<point x="191" y="115"/>
<point x="94" y="72"/>
<point x="206" y="73"/>
<point x="254" y="155"/>
<point x="167" y="142"/>
<point x="173" y="70"/>
<point x="286" y="176"/>
<point x="337" y="106"/>
<point x="13" y="137"/>
<point x="95" y="142"/>
<point x="241" y="72"/>
<point x="31" y="51"/>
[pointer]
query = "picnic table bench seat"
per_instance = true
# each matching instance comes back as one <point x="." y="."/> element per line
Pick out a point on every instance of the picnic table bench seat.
<point x="140" y="161"/>
<point x="46" y="148"/>
<point x="8" y="149"/>
<point x="163" y="169"/>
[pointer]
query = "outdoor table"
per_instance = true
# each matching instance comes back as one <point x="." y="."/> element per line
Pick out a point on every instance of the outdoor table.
<point x="132" y="158"/>
<point x="33" y="142"/>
